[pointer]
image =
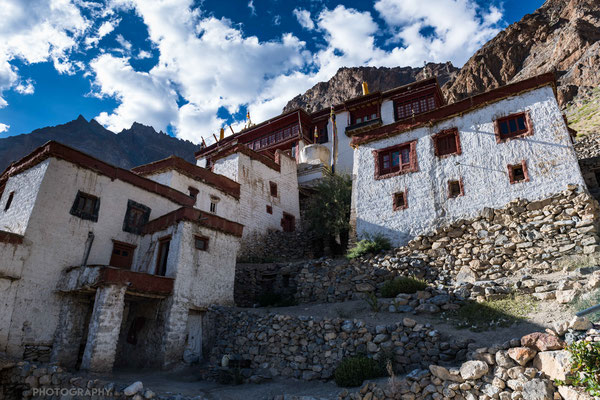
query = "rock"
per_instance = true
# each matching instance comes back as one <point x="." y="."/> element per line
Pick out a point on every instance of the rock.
<point x="149" y="394"/>
<point x="446" y="375"/>
<point x="522" y="355"/>
<point x="571" y="393"/>
<point x="537" y="389"/>
<point x="465" y="275"/>
<point x="503" y="359"/>
<point x="580" y="324"/>
<point x="566" y="296"/>
<point x="427" y="308"/>
<point x="409" y="322"/>
<point x="555" y="364"/>
<point x="473" y="369"/>
<point x="365" y="287"/>
<point x="542" y="341"/>
<point x="134" y="388"/>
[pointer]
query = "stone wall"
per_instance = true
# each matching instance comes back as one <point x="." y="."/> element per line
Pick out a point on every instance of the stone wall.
<point x="276" y="245"/>
<point x="308" y="348"/>
<point x="521" y="238"/>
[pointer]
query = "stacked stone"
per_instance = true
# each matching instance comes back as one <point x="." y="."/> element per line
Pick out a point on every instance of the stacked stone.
<point x="307" y="348"/>
<point x="39" y="353"/>
<point x="277" y="246"/>
<point x="520" y="369"/>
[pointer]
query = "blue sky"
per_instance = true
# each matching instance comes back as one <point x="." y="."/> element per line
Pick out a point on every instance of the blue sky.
<point x="188" y="67"/>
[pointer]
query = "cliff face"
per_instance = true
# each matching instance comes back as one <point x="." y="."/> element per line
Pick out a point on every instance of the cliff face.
<point x="129" y="148"/>
<point x="347" y="83"/>
<point x="561" y="36"/>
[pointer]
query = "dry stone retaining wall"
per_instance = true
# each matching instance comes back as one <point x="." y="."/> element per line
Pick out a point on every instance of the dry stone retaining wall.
<point x="307" y="348"/>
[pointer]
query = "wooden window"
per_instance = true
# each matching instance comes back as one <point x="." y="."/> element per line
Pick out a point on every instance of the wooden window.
<point x="396" y="160"/>
<point x="273" y="188"/>
<point x="201" y="243"/>
<point x="163" y="256"/>
<point x="399" y="201"/>
<point x="455" y="188"/>
<point x="136" y="217"/>
<point x="86" y="206"/>
<point x="446" y="143"/>
<point x="122" y="255"/>
<point x="214" y="200"/>
<point x="193" y="192"/>
<point x="11" y="196"/>
<point x="288" y="222"/>
<point x="408" y="108"/>
<point x="364" y="114"/>
<point x="518" y="173"/>
<point x="512" y="126"/>
<point x="269" y="209"/>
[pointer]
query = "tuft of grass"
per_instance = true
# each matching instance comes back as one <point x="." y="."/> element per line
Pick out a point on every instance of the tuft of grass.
<point x="373" y="302"/>
<point x="402" y="284"/>
<point x="588" y="300"/>
<point x="492" y="314"/>
<point x="352" y="371"/>
<point x="371" y="245"/>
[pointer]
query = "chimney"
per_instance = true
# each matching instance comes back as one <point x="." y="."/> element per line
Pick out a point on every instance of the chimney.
<point x="365" y="88"/>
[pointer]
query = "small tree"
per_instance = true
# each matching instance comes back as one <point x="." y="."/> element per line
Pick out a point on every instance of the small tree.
<point x="328" y="211"/>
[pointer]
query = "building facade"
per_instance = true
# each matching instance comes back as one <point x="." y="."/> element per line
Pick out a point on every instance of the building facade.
<point x="100" y="266"/>
<point x="450" y="163"/>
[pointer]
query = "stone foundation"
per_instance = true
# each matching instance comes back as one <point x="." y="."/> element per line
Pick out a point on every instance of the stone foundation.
<point x="307" y="348"/>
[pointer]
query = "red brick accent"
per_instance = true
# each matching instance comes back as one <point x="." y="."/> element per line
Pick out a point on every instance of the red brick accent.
<point x="447" y="132"/>
<point x="11" y="238"/>
<point x="201" y="218"/>
<point x="203" y="175"/>
<point x="511" y="172"/>
<point x="454" y="109"/>
<point x="241" y="148"/>
<point x="136" y="281"/>
<point x="404" y="194"/>
<point x="60" y="151"/>
<point x="528" y="127"/>
<point x="414" y="165"/>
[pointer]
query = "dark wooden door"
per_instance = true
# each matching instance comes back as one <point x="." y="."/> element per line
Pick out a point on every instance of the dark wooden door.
<point x="288" y="222"/>
<point x="122" y="255"/>
<point x="163" y="255"/>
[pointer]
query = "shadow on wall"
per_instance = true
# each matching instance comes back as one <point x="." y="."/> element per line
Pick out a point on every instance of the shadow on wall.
<point x="398" y="238"/>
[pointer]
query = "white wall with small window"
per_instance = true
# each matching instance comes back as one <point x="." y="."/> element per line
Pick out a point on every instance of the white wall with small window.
<point x="517" y="147"/>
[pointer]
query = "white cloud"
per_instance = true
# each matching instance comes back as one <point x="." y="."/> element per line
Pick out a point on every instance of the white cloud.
<point x="143" y="54"/>
<point x="34" y="31"/>
<point x="25" y="87"/>
<point x="252" y="7"/>
<point x="460" y="27"/>
<point x="303" y="17"/>
<point x="4" y="127"/>
<point x="105" y="28"/>
<point x="277" y="20"/>
<point x="125" y="44"/>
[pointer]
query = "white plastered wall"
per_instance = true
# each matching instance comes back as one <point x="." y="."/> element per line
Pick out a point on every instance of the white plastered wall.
<point x="254" y="177"/>
<point x="551" y="163"/>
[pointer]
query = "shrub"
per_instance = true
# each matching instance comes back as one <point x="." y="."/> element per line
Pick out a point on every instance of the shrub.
<point x="352" y="371"/>
<point x="373" y="302"/>
<point x="585" y="366"/>
<point x="370" y="245"/>
<point x="402" y="285"/>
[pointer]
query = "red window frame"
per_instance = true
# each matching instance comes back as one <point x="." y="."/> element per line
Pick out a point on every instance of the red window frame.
<point x="513" y="126"/>
<point x="200" y="239"/>
<point x="461" y="191"/>
<point x="365" y="114"/>
<point x="122" y="255"/>
<point x="396" y="160"/>
<point x="511" y="172"/>
<point x="447" y="143"/>
<point x="400" y="200"/>
<point x="408" y="108"/>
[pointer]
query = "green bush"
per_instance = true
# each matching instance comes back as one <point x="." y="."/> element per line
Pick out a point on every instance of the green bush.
<point x="352" y="371"/>
<point x="371" y="245"/>
<point x="402" y="285"/>
<point x="585" y="366"/>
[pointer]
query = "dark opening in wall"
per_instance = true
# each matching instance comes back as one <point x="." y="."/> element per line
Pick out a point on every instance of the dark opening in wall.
<point x="9" y="201"/>
<point x="400" y="201"/>
<point x="455" y="188"/>
<point x="86" y="206"/>
<point x="518" y="173"/>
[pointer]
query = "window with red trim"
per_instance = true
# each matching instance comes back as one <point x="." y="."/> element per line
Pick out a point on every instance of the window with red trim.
<point x="455" y="188"/>
<point x="397" y="159"/>
<point x="409" y="108"/>
<point x="364" y="114"/>
<point x="201" y="243"/>
<point x="514" y="125"/>
<point x="447" y="142"/>
<point x="399" y="201"/>
<point x="518" y="173"/>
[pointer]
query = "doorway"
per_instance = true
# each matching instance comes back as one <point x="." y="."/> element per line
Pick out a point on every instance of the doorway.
<point x="193" y="346"/>
<point x="163" y="255"/>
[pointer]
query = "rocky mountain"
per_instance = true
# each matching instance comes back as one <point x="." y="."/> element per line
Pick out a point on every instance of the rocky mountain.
<point x="131" y="147"/>
<point x="347" y="83"/>
<point x="561" y="36"/>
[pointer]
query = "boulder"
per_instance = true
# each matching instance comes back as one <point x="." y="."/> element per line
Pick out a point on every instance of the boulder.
<point x="542" y="342"/>
<point x="555" y="364"/>
<point x="537" y="389"/>
<point x="580" y="324"/>
<point x="571" y="393"/>
<point x="522" y="355"/>
<point x="133" y="389"/>
<point x="473" y="369"/>
<point x="445" y="374"/>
